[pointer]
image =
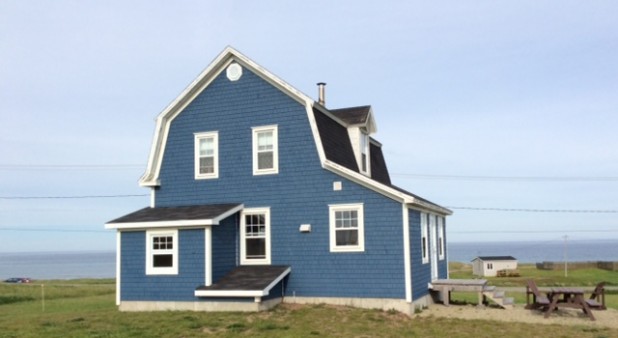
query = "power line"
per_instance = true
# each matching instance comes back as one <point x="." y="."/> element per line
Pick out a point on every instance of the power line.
<point x="531" y="231"/>
<point x="68" y="197"/>
<point x="511" y="178"/>
<point x="592" y="211"/>
<point x="51" y="230"/>
<point x="68" y="166"/>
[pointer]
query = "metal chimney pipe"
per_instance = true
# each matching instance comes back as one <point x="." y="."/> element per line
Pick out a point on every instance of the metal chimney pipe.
<point x="321" y="93"/>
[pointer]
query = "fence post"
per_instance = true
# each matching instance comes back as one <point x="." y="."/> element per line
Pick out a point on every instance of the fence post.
<point x="42" y="297"/>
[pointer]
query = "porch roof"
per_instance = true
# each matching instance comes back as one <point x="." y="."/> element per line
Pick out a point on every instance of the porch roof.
<point x="183" y="216"/>
<point x="246" y="281"/>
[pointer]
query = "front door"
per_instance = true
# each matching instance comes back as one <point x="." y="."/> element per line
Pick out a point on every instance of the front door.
<point x="255" y="236"/>
<point x="433" y="247"/>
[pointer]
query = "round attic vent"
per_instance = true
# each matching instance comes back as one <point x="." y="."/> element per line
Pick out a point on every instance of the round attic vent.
<point x="234" y="71"/>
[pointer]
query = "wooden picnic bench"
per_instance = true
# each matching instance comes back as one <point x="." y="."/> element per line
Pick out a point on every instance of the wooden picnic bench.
<point x="446" y="286"/>
<point x="568" y="298"/>
<point x="538" y="300"/>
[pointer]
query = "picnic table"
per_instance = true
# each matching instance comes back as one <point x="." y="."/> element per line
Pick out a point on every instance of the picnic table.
<point x="567" y="298"/>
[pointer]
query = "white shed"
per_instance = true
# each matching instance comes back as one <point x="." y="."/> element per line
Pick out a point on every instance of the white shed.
<point x="488" y="266"/>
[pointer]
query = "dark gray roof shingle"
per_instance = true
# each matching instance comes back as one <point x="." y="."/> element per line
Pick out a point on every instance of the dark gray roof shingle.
<point x="335" y="140"/>
<point x="497" y="258"/>
<point x="248" y="278"/>
<point x="188" y="213"/>
<point x="352" y="115"/>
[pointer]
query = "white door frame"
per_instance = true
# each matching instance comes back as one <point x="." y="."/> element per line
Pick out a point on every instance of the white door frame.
<point x="433" y="247"/>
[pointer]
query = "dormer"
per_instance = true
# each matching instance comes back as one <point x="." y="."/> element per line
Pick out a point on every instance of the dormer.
<point x="360" y="125"/>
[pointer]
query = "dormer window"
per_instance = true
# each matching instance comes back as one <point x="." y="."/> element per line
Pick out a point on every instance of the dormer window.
<point x="364" y="150"/>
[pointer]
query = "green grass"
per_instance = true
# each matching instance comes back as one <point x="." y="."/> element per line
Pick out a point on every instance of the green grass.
<point x="543" y="278"/>
<point x="576" y="277"/>
<point x="86" y="309"/>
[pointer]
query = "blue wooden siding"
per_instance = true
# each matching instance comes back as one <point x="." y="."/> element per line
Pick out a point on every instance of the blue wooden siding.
<point x="137" y="286"/>
<point x="421" y="273"/>
<point x="224" y="238"/>
<point x="299" y="194"/>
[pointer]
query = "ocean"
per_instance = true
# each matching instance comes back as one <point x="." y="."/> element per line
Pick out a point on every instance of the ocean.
<point x="58" y="265"/>
<point x="102" y="264"/>
<point x="532" y="252"/>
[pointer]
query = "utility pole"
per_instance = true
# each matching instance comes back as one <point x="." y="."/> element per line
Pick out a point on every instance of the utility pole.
<point x="565" y="256"/>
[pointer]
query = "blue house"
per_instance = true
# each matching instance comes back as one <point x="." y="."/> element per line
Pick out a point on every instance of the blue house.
<point x="262" y="195"/>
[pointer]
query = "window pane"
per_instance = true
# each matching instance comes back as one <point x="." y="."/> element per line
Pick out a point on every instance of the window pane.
<point x="347" y="237"/>
<point x="207" y="146"/>
<point x="207" y="165"/>
<point x="265" y="140"/>
<point x="161" y="261"/>
<point x="265" y="160"/>
<point x="255" y="248"/>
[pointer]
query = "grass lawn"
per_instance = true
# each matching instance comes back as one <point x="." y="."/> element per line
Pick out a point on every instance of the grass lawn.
<point x="85" y="308"/>
<point x="543" y="278"/>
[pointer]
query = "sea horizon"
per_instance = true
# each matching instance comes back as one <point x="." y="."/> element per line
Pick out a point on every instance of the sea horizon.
<point x="73" y="264"/>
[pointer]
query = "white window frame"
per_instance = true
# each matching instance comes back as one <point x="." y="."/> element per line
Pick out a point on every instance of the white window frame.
<point x="424" y="238"/>
<point x="150" y="252"/>
<point x="365" y="163"/>
<point x="205" y="135"/>
<point x="333" y="209"/>
<point x="441" y="247"/>
<point x="243" y="236"/>
<point x="275" y="150"/>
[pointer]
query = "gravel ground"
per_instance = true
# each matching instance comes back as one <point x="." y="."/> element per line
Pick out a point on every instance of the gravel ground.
<point x="605" y="318"/>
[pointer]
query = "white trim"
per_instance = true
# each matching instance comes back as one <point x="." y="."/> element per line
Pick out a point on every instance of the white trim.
<point x="364" y="140"/>
<point x="441" y="242"/>
<point x="208" y="255"/>
<point x="218" y="65"/>
<point x="424" y="239"/>
<point x="198" y="137"/>
<point x="315" y="131"/>
<point x="358" y="207"/>
<point x="382" y="189"/>
<point x="150" y="269"/>
<point x="118" y="267"/>
<point x="180" y="223"/>
<point x="407" y="261"/>
<point x="255" y="131"/>
<point x="243" y="293"/>
<point x="152" y="197"/>
<point x="433" y="247"/>
<point x="252" y="211"/>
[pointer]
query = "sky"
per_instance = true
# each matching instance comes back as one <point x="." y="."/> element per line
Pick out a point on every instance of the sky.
<point x="504" y="111"/>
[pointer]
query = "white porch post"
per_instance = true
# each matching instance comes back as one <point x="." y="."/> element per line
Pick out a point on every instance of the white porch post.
<point x="208" y="255"/>
<point x="407" y="268"/>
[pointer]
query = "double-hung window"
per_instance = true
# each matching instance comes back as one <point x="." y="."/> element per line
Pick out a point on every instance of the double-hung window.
<point x="347" y="228"/>
<point x="207" y="155"/>
<point x="424" y="238"/>
<point x="265" y="150"/>
<point x="162" y="252"/>
<point x="255" y="236"/>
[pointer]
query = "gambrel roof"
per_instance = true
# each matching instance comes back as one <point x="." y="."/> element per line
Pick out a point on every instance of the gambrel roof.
<point x="329" y="128"/>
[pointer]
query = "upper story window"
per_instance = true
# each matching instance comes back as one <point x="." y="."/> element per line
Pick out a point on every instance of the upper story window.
<point x="364" y="151"/>
<point x="265" y="150"/>
<point x="162" y="252"/>
<point x="424" y="238"/>
<point x="207" y="155"/>
<point x="347" y="228"/>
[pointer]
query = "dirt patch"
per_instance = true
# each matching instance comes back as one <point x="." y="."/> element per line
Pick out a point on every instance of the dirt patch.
<point x="606" y="318"/>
